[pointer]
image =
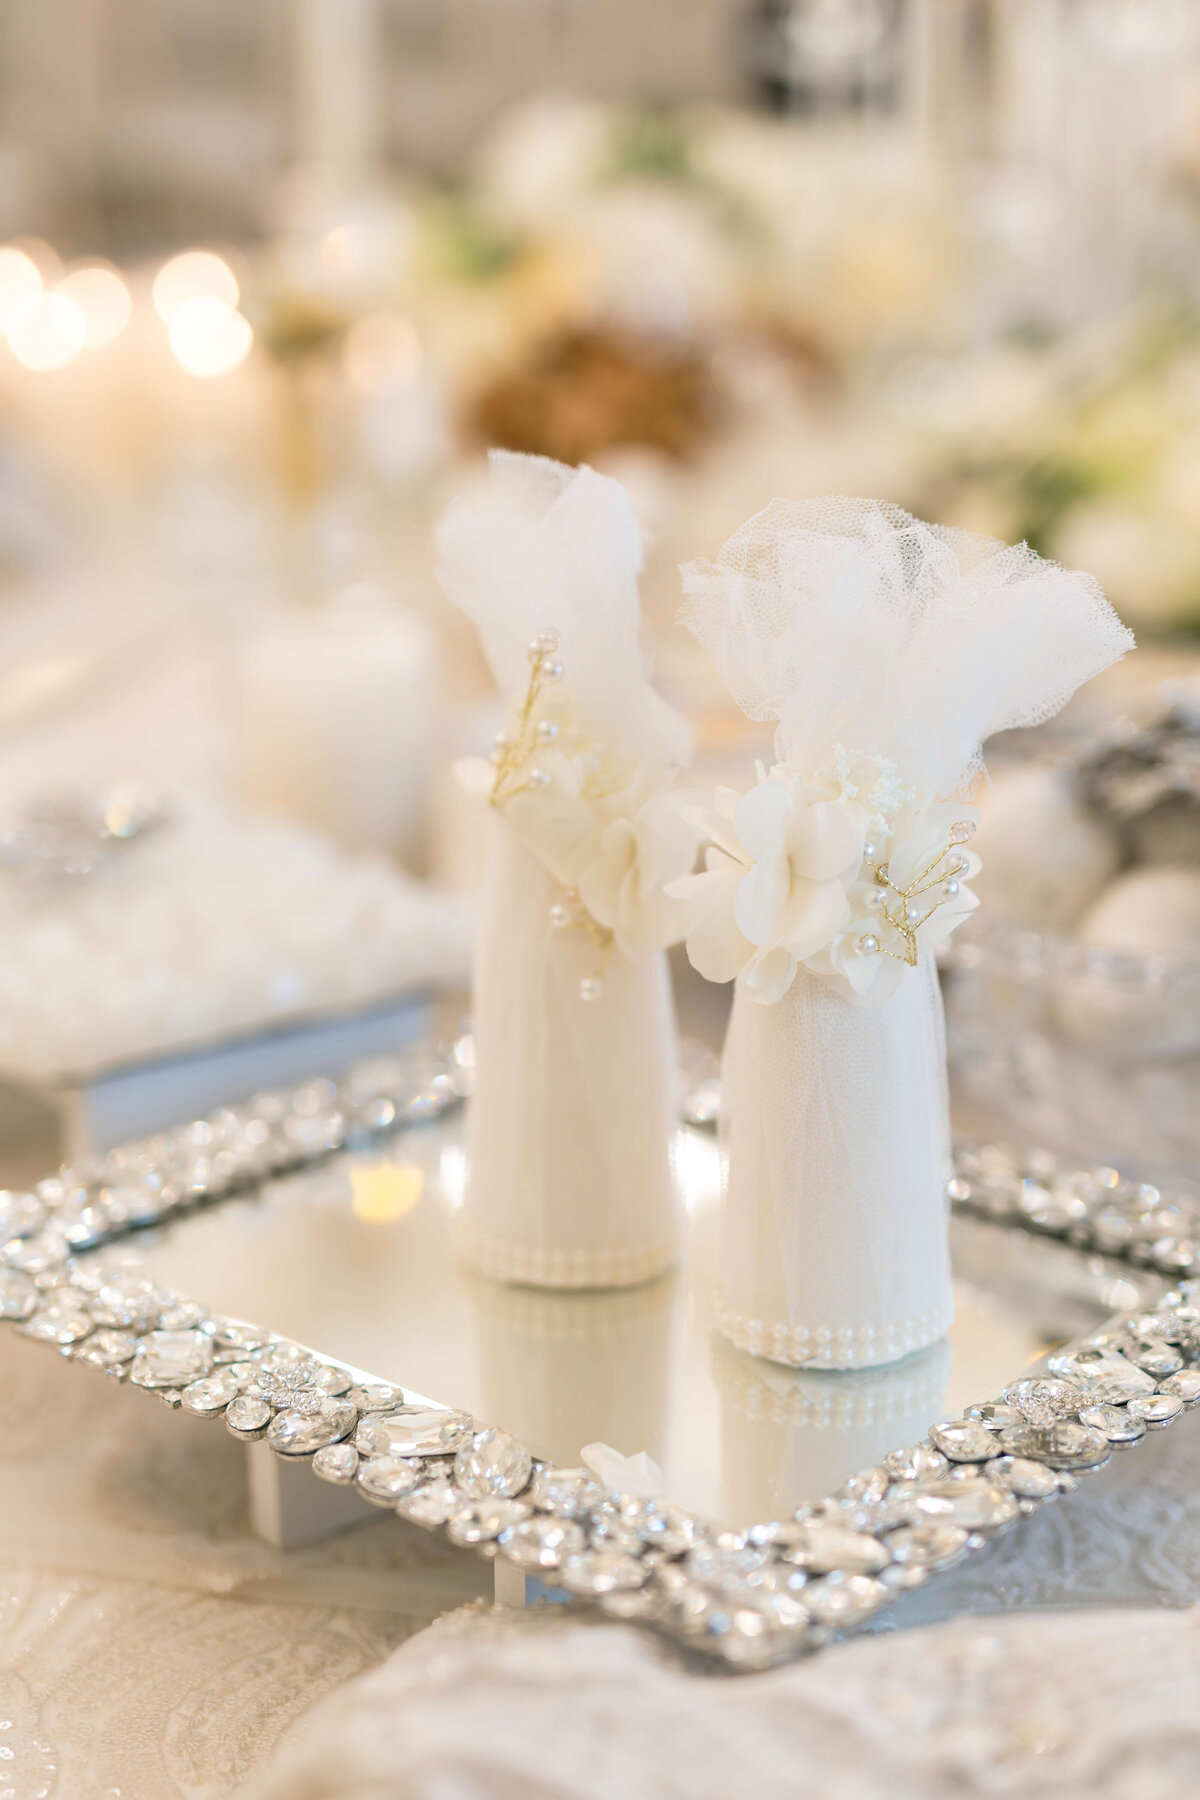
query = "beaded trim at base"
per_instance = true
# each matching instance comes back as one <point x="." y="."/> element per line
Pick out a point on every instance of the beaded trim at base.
<point x="539" y="1266"/>
<point x="834" y="1346"/>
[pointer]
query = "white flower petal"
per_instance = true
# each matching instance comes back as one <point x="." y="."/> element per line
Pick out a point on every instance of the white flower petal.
<point x="768" y="976"/>
<point x="817" y="913"/>
<point x="826" y="840"/>
<point x="762" y="818"/>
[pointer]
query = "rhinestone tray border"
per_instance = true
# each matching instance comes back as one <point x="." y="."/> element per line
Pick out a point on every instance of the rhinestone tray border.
<point x="748" y="1599"/>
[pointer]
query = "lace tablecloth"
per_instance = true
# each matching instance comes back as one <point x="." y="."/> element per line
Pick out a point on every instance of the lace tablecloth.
<point x="153" y="1650"/>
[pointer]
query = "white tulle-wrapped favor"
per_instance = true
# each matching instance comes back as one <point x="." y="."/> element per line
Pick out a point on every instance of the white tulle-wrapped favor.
<point x="888" y="651"/>
<point x="570" y="1182"/>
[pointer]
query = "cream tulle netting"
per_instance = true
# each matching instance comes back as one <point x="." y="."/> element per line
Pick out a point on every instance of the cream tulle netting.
<point x="852" y="624"/>
<point x="569" y="1136"/>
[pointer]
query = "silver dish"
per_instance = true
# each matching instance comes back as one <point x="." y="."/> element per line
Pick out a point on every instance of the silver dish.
<point x="319" y="1308"/>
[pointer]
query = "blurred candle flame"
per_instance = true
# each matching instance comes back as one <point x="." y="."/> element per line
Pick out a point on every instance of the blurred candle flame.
<point x="384" y="1192"/>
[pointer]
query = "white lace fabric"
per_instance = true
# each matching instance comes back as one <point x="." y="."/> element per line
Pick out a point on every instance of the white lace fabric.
<point x="511" y="1708"/>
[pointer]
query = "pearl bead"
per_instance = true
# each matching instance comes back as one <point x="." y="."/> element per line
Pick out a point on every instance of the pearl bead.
<point x="956" y="865"/>
<point x="875" y="899"/>
<point x="560" y="916"/>
<point x="548" y="640"/>
<point x="547" y="731"/>
<point x="537" y="778"/>
<point x="867" y="945"/>
<point x="962" y="832"/>
<point x="591" y="987"/>
<point x="914" y="912"/>
<point x="950" y="889"/>
<point x="870" y="850"/>
<point x="552" y="671"/>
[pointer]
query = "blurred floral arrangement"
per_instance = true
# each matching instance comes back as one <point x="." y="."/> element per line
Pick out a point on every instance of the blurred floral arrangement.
<point x="731" y="293"/>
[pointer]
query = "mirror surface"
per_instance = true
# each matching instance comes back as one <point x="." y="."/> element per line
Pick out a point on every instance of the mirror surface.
<point x="354" y="1258"/>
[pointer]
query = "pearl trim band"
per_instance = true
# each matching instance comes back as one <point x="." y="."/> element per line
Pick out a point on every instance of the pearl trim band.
<point x="834" y="1346"/>
<point x="544" y="1267"/>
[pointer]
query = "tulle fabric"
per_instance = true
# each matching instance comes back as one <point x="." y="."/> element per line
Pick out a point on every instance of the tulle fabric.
<point x="850" y="622"/>
<point x="570" y="1180"/>
<point x="545" y="546"/>
<point x="833" y="1235"/>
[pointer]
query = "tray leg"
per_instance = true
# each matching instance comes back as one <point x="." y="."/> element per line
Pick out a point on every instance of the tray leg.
<point x="290" y="1506"/>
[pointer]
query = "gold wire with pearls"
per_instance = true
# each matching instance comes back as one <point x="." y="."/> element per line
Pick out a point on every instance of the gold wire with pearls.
<point x="907" y="909"/>
<point x="511" y="753"/>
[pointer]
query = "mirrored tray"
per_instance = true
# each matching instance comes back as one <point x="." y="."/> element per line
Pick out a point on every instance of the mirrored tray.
<point x="321" y="1306"/>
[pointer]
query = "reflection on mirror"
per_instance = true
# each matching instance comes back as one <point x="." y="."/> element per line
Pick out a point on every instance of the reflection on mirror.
<point x="354" y="1258"/>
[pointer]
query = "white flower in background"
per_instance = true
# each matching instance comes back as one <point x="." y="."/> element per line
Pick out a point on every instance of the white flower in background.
<point x="638" y="1476"/>
<point x="835" y="872"/>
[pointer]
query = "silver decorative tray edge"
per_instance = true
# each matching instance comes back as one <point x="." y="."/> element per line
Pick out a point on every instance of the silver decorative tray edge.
<point x="749" y="1599"/>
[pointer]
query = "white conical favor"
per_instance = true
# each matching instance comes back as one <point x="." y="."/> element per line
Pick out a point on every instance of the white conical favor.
<point x="887" y="651"/>
<point x="571" y="1121"/>
<point x="572" y="1117"/>
<point x="833" y="1234"/>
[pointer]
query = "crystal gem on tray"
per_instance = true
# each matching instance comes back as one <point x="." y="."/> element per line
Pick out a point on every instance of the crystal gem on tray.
<point x="482" y="1521"/>
<point x="1064" y="1445"/>
<point x="211" y="1394"/>
<point x="18" y="1294"/>
<point x="1156" y="1409"/>
<point x="1186" y="1384"/>
<point x="415" y="1431"/>
<point x="493" y="1463"/>
<point x="171" y="1359"/>
<point x="543" y="1542"/>
<point x="386" y="1479"/>
<point x="129" y="1302"/>
<point x="928" y="1546"/>
<point x="1043" y="1403"/>
<point x="1115" y="1423"/>
<point x="820" y="1547"/>
<point x="300" y="1384"/>
<point x="431" y="1505"/>
<point x="60" y="1321"/>
<point x="108" y="1349"/>
<point x="337" y="1463"/>
<point x="964" y="1441"/>
<point x="595" y="1572"/>
<point x="842" y="1601"/>
<point x="1108" y="1375"/>
<point x="377" y="1396"/>
<point x="976" y="1504"/>
<point x="564" y="1491"/>
<point x="20" y="1215"/>
<point x="300" y="1433"/>
<point x="1026" y="1479"/>
<point x="248" y="1416"/>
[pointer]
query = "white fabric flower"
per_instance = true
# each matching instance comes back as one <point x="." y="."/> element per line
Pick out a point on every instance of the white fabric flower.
<point x="774" y="888"/>
<point x="641" y="855"/>
<point x="920" y="858"/>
